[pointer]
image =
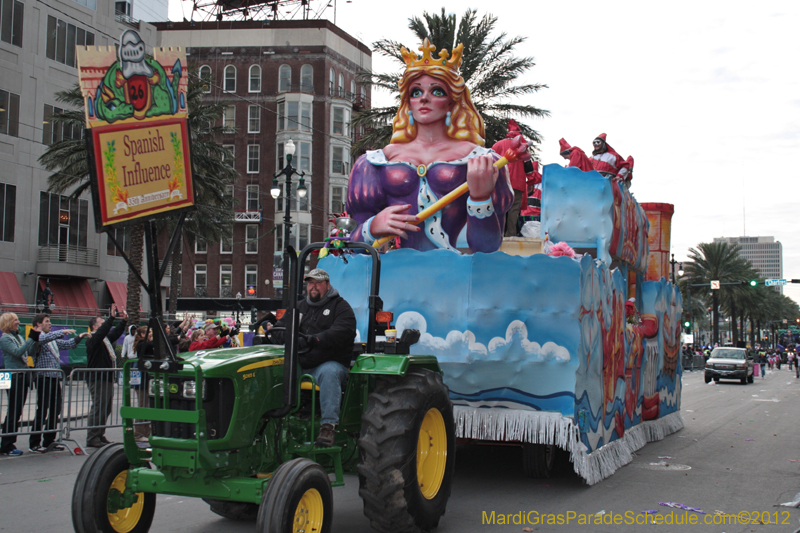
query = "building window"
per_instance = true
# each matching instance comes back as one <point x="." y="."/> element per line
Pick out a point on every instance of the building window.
<point x="230" y="79"/>
<point x="11" y="15"/>
<point x="331" y="80"/>
<point x="205" y="76"/>
<point x="62" y="38"/>
<point x="251" y="239"/>
<point x="294" y="116"/>
<point x="226" y="244"/>
<point x="123" y="238"/>
<point x="255" y="79"/>
<point x="8" y="208"/>
<point x="62" y="221"/>
<point x="229" y="119"/>
<point x="252" y="198"/>
<point x="352" y="88"/>
<point x="341" y="121"/>
<point x="340" y="163"/>
<point x="341" y="85"/>
<point x="363" y="95"/>
<point x="9" y="113"/>
<point x="254" y="119"/>
<point x="232" y="149"/>
<point x="338" y="198"/>
<point x="122" y="8"/>
<point x="251" y="280"/>
<point x="53" y="132"/>
<point x="285" y="79"/>
<point x="307" y="79"/>
<point x="253" y="157"/>
<point x="225" y="280"/>
<point x="200" y="276"/>
<point x="298" y="236"/>
<point x="200" y="246"/>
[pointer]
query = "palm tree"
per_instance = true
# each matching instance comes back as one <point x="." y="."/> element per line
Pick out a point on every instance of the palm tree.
<point x="68" y="161"/>
<point x="718" y="261"/>
<point x="489" y="68"/>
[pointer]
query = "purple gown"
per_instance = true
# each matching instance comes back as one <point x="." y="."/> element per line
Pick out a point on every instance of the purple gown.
<point x="376" y="184"/>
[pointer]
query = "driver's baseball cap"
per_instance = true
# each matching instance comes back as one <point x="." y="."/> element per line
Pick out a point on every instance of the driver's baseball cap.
<point x="317" y="275"/>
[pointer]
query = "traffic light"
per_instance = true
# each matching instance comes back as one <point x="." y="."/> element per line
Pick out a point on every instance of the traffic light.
<point x="687" y="323"/>
<point x="253" y="316"/>
<point x="753" y="282"/>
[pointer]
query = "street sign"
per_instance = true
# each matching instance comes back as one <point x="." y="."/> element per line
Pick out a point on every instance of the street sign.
<point x="774" y="282"/>
<point x="714" y="284"/>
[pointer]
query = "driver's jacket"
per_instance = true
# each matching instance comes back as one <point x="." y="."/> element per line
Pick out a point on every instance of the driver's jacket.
<point x="333" y="324"/>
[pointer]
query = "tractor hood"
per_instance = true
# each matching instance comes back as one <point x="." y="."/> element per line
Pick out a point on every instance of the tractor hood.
<point x="225" y="360"/>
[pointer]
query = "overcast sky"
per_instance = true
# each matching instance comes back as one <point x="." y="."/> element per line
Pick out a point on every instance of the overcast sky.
<point x="704" y="95"/>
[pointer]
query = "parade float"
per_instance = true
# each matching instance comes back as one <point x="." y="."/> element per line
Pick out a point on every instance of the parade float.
<point x="568" y="340"/>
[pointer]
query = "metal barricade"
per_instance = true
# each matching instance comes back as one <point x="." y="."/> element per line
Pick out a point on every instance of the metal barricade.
<point x="94" y="398"/>
<point x="33" y="405"/>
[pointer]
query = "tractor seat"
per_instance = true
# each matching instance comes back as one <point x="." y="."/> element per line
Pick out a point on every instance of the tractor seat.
<point x="306" y="385"/>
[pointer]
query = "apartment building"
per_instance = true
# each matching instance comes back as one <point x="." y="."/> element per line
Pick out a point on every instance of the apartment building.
<point x="281" y="80"/>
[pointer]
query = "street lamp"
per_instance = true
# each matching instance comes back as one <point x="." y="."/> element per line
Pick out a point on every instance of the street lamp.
<point x="672" y="262"/>
<point x="287" y="171"/>
<point x="238" y="309"/>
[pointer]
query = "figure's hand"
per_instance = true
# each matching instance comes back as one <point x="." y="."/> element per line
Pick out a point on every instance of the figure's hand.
<point x="84" y="335"/>
<point x="393" y="221"/>
<point x="481" y="177"/>
<point x="124" y="314"/>
<point x="67" y="331"/>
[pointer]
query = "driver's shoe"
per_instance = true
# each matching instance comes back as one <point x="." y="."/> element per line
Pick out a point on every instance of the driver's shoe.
<point x="326" y="436"/>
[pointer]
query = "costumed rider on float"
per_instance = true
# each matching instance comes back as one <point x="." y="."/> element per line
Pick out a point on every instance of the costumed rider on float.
<point x="607" y="161"/>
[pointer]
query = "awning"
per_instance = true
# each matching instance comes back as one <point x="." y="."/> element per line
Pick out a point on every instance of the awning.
<point x="119" y="293"/>
<point x="11" y="297"/>
<point x="74" y="294"/>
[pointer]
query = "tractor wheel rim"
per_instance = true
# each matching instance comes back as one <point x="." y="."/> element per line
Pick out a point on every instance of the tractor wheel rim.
<point x="310" y="512"/>
<point x="431" y="453"/>
<point x="124" y="520"/>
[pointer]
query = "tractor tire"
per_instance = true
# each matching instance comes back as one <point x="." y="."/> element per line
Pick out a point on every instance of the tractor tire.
<point x="106" y="471"/>
<point x="407" y="452"/>
<point x="708" y="379"/>
<point x="299" y="497"/>
<point x="750" y="378"/>
<point x="539" y="460"/>
<point x="239" y="511"/>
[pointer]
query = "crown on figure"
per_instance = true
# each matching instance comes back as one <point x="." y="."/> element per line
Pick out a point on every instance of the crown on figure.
<point x="427" y="60"/>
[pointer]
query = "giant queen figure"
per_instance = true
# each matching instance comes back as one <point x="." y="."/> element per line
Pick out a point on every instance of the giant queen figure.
<point x="437" y="145"/>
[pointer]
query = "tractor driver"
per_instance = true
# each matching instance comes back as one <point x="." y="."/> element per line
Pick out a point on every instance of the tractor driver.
<point x="325" y="346"/>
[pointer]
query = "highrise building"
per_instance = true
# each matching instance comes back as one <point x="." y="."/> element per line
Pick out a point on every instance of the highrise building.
<point x="47" y="237"/>
<point x="765" y="253"/>
<point x="281" y="80"/>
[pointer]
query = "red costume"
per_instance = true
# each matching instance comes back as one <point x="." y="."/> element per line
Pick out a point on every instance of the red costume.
<point x="516" y="173"/>
<point x="577" y="157"/>
<point x="606" y="160"/>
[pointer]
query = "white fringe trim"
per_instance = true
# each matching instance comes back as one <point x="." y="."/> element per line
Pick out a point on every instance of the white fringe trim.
<point x="540" y="427"/>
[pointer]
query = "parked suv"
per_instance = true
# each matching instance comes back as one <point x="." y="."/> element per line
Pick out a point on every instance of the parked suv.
<point x="729" y="363"/>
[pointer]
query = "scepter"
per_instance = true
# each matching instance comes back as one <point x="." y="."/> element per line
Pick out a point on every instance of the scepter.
<point x="513" y="153"/>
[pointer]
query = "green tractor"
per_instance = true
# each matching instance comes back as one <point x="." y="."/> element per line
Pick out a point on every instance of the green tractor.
<point x="236" y="427"/>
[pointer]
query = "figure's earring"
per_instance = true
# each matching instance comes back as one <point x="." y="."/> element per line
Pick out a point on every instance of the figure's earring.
<point x="447" y="120"/>
<point x="410" y="118"/>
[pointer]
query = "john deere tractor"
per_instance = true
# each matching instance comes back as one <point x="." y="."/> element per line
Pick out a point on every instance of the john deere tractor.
<point x="236" y="427"/>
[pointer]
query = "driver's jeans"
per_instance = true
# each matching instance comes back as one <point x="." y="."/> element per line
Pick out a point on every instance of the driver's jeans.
<point x="331" y="377"/>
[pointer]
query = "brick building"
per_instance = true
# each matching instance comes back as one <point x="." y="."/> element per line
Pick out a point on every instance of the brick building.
<point x="282" y="80"/>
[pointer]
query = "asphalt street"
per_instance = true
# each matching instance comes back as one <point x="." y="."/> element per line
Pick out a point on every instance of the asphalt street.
<point x="738" y="454"/>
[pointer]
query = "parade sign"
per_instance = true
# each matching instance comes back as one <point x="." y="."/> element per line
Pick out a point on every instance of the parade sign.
<point x="139" y="135"/>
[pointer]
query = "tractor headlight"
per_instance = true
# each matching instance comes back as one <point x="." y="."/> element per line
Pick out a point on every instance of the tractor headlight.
<point x="190" y="389"/>
<point x="151" y="387"/>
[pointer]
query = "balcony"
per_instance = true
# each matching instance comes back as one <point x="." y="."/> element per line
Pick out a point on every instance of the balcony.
<point x="247" y="216"/>
<point x="65" y="253"/>
<point x="126" y="19"/>
<point x="297" y="88"/>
